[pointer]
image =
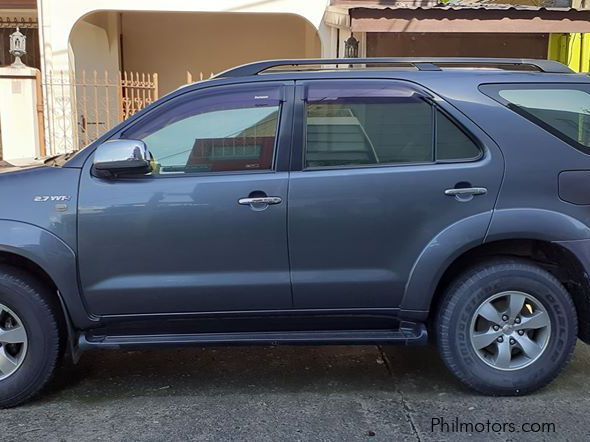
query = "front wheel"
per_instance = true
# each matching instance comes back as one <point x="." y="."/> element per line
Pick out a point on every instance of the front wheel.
<point x="507" y="327"/>
<point x="29" y="337"/>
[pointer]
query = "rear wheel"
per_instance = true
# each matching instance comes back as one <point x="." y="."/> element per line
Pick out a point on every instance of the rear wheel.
<point x="506" y="327"/>
<point x="29" y="337"/>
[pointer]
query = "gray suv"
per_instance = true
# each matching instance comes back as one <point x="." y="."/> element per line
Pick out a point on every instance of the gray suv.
<point x="364" y="201"/>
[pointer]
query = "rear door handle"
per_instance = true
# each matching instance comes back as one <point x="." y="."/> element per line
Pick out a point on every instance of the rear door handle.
<point x="260" y="200"/>
<point x="466" y="191"/>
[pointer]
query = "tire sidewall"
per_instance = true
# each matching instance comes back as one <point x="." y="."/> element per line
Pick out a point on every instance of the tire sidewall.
<point x="41" y="337"/>
<point x="555" y="300"/>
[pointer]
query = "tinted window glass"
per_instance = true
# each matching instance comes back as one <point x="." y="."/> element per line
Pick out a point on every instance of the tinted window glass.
<point x="562" y="111"/>
<point x="451" y="142"/>
<point x="367" y="126"/>
<point x="213" y="133"/>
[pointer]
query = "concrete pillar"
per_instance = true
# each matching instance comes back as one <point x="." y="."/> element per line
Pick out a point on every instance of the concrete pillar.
<point x="19" y="122"/>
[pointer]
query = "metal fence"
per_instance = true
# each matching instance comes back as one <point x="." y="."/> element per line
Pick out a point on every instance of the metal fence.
<point x="81" y="108"/>
<point x="199" y="77"/>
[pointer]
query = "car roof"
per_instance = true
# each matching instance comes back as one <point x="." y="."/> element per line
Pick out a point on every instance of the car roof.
<point x="416" y="63"/>
<point x="438" y="81"/>
<point x="471" y="72"/>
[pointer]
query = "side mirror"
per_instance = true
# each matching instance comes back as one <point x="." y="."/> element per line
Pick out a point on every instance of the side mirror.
<point x="122" y="157"/>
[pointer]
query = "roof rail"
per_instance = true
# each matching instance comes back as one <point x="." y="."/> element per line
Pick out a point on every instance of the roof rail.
<point x="422" y="64"/>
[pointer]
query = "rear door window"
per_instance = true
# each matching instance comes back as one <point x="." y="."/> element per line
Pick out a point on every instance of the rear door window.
<point x="563" y="110"/>
<point x="355" y="124"/>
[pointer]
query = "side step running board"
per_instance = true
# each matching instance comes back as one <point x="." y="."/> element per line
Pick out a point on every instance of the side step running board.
<point x="415" y="334"/>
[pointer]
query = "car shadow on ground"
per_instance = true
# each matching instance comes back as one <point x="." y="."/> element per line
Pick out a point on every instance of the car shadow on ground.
<point x="107" y="375"/>
<point x="193" y="371"/>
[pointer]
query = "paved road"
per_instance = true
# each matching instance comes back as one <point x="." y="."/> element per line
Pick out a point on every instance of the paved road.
<point x="286" y="393"/>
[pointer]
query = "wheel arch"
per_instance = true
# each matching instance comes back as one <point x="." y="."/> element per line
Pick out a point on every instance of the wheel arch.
<point x="553" y="257"/>
<point x="15" y="261"/>
<point x="46" y="257"/>
<point x="31" y="267"/>
<point x="534" y="234"/>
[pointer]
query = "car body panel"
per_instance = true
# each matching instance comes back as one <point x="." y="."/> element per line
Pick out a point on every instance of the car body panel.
<point x="182" y="244"/>
<point x="46" y="197"/>
<point x="354" y="248"/>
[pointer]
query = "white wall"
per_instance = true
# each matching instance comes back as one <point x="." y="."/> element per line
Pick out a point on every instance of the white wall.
<point x="94" y="48"/>
<point x="95" y="43"/>
<point x="18" y="113"/>
<point x="58" y="17"/>
<point x="210" y="42"/>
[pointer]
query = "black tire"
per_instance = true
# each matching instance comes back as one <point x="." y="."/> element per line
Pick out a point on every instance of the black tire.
<point x="471" y="290"/>
<point x="30" y="301"/>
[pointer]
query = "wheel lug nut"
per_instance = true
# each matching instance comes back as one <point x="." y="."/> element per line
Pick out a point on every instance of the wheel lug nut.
<point x="521" y="332"/>
<point x="496" y="327"/>
<point x="512" y="341"/>
<point x="505" y="318"/>
<point x="500" y="339"/>
<point x="517" y="320"/>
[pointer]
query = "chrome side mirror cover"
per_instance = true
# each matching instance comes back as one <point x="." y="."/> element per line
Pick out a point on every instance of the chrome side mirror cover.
<point x="121" y="157"/>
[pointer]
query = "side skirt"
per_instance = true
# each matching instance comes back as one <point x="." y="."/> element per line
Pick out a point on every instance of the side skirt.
<point x="407" y="334"/>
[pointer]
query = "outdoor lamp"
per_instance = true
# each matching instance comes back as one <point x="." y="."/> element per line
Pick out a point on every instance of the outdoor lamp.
<point x="18" y="47"/>
<point x="351" y="47"/>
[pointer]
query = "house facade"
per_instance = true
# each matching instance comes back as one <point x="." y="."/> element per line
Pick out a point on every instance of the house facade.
<point x="201" y="37"/>
<point x="103" y="60"/>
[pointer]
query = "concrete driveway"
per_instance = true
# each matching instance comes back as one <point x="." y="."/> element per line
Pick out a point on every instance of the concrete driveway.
<point x="289" y="393"/>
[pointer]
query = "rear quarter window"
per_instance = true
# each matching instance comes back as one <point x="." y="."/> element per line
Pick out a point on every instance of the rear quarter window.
<point x="452" y="143"/>
<point x="563" y="110"/>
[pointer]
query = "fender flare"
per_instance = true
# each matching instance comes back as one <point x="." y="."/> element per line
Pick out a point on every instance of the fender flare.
<point x="459" y="238"/>
<point x="540" y="224"/>
<point x="56" y="259"/>
<point x="437" y="256"/>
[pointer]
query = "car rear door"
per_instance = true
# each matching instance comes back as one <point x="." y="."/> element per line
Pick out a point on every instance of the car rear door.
<point x="379" y="169"/>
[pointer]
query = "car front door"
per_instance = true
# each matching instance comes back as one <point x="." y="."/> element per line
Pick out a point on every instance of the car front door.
<point x="376" y="168"/>
<point x="186" y="237"/>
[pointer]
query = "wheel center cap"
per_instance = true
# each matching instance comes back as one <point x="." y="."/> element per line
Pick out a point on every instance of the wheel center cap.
<point x="507" y="329"/>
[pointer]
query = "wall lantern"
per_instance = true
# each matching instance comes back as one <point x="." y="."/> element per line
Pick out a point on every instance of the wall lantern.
<point x="18" y="47"/>
<point x="351" y="47"/>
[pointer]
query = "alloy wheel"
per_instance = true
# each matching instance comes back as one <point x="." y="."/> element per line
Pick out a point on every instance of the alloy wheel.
<point x="510" y="330"/>
<point x="13" y="342"/>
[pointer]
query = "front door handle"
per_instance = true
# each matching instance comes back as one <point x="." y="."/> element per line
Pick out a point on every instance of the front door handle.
<point x="461" y="191"/>
<point x="260" y="200"/>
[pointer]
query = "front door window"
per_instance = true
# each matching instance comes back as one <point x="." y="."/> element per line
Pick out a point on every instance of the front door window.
<point x="217" y="133"/>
